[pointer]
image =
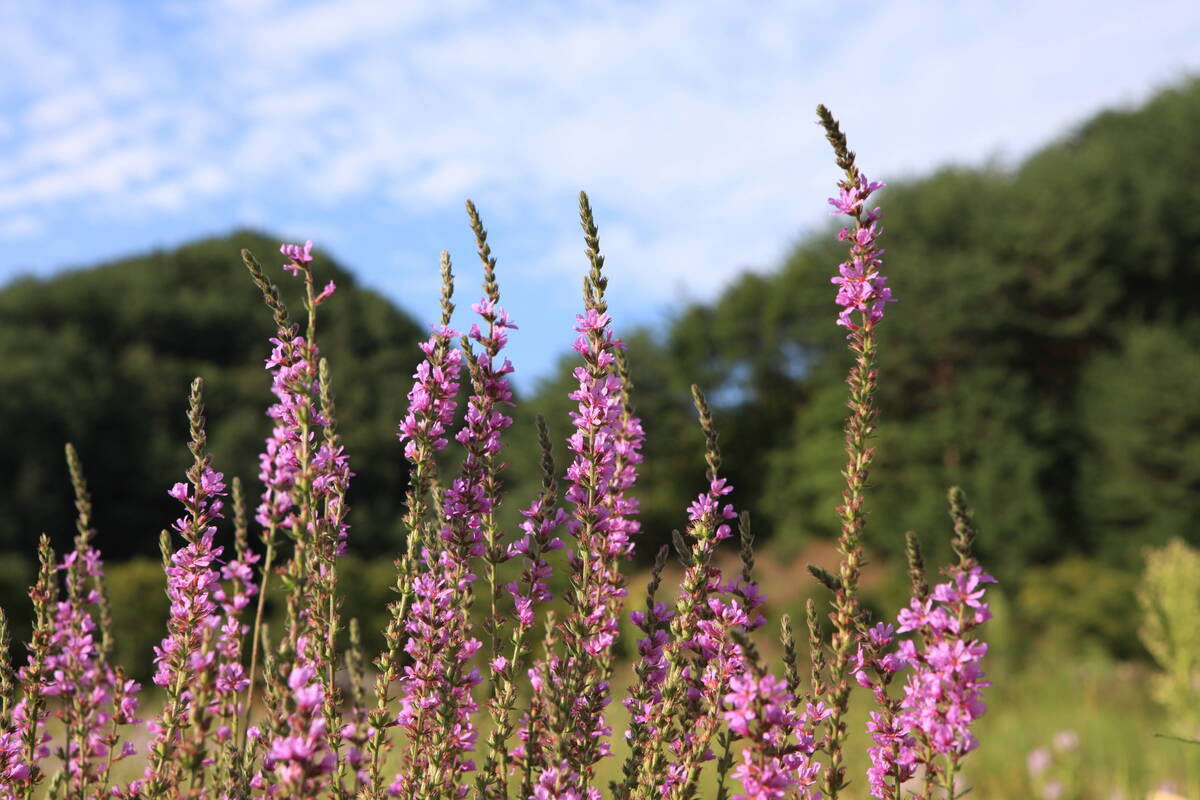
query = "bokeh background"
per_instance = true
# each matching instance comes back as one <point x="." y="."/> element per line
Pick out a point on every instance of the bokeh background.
<point x="1043" y="236"/>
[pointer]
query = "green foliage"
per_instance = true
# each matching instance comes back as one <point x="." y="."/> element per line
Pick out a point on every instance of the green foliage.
<point x="1044" y="355"/>
<point x="1169" y="598"/>
<point x="365" y="587"/>
<point x="103" y="358"/>
<point x="1079" y="604"/>
<point x="137" y="592"/>
<point x="1141" y="481"/>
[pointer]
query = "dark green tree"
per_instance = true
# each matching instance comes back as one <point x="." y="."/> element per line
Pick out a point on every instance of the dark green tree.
<point x="103" y="358"/>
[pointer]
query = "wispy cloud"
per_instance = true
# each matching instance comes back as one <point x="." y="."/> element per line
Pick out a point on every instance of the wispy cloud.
<point x="690" y="122"/>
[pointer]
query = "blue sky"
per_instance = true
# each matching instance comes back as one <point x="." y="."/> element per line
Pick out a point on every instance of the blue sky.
<point x="364" y="125"/>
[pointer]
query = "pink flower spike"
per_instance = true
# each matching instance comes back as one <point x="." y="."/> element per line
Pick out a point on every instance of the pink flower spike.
<point x="325" y="294"/>
<point x="297" y="253"/>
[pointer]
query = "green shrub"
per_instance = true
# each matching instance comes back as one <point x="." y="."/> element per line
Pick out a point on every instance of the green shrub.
<point x="1080" y="603"/>
<point x="1169" y="598"/>
<point x="137" y="592"/>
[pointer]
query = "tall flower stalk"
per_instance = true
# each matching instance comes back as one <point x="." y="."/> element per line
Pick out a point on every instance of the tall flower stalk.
<point x="606" y="444"/>
<point x="431" y="404"/>
<point x="863" y="295"/>
<point x="305" y="472"/>
<point x="688" y="674"/>
<point x="186" y="656"/>
<point x="249" y="712"/>
<point x="944" y="694"/>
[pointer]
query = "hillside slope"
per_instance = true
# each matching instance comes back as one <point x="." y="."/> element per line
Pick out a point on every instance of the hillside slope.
<point x="103" y="358"/>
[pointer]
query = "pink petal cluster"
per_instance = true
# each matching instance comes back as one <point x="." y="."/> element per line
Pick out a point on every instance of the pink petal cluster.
<point x="720" y="660"/>
<point x="644" y="705"/>
<point x="232" y="679"/>
<point x="778" y="760"/>
<point x="438" y="683"/>
<point x="292" y="448"/>
<point x="542" y="519"/>
<point x="559" y="783"/>
<point x="192" y="579"/>
<point x="711" y="610"/>
<point x="606" y="444"/>
<point x="292" y="382"/>
<point x="13" y="767"/>
<point x="298" y="255"/>
<point x="468" y="499"/>
<point x="860" y="286"/>
<point x="703" y="635"/>
<point x="943" y="696"/>
<point x="298" y="762"/>
<point x="437" y="701"/>
<point x="293" y="367"/>
<point x="892" y="754"/>
<point x="431" y="401"/>
<point x="93" y="697"/>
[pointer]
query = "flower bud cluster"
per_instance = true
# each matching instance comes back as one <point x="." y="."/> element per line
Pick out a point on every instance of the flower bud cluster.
<point x="860" y="286"/>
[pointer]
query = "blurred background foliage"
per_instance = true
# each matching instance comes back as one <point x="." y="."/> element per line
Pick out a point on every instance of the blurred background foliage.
<point x="1045" y="355"/>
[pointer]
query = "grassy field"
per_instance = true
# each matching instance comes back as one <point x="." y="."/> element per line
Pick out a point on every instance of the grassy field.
<point x="1117" y="755"/>
<point x="1092" y="715"/>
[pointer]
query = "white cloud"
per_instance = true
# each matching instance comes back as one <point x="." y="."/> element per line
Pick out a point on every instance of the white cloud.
<point x="690" y="123"/>
<point x="21" y="226"/>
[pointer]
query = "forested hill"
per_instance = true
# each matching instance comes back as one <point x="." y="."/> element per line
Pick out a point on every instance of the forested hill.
<point x="1044" y="353"/>
<point x="103" y="358"/>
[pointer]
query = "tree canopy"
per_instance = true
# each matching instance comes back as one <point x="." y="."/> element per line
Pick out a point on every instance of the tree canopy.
<point x="1045" y="355"/>
<point x="103" y="358"/>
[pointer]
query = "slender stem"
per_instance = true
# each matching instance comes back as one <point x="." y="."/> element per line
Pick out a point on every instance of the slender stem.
<point x="255" y="633"/>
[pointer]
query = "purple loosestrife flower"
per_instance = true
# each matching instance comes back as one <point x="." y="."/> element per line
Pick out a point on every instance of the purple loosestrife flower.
<point x="470" y="500"/>
<point x="893" y="759"/>
<point x="596" y="488"/>
<point x="643" y="702"/>
<point x="943" y="696"/>
<point x="232" y="678"/>
<point x="29" y="713"/>
<point x="298" y="469"/>
<point x="431" y="404"/>
<point x="542" y="520"/>
<point x="438" y="685"/>
<point x="605" y="447"/>
<point x="298" y="255"/>
<point x="432" y="399"/>
<point x="679" y="696"/>
<point x="439" y="682"/>
<point x="437" y="702"/>
<point x="862" y="291"/>
<point x="186" y="658"/>
<point x="559" y="783"/>
<point x="306" y="473"/>
<point x="289" y="454"/>
<point x="192" y="578"/>
<point x="14" y="770"/>
<point x="698" y="623"/>
<point x="299" y="761"/>
<point x="93" y="696"/>
<point x="861" y="287"/>
<point x="777" y="761"/>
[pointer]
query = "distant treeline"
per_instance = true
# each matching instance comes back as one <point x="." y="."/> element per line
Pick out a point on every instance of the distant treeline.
<point x="1045" y="354"/>
<point x="103" y="358"/>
